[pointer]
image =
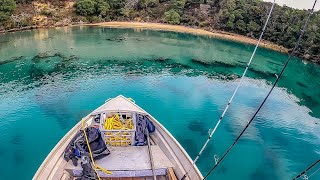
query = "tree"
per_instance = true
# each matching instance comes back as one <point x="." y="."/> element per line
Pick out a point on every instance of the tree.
<point x="253" y="27"/>
<point x="315" y="47"/>
<point x="103" y="8"/>
<point x="178" y="5"/>
<point x="230" y="23"/>
<point x="117" y="6"/>
<point x="144" y="4"/>
<point x="241" y="26"/>
<point x="172" y="17"/>
<point x="6" y="9"/>
<point x="86" y="7"/>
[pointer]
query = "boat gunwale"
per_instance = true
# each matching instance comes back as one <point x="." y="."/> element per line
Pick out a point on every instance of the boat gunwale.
<point x="61" y="142"/>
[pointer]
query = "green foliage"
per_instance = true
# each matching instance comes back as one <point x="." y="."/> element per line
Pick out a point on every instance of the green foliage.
<point x="103" y="8"/>
<point x="241" y="26"/>
<point x="144" y="4"/>
<point x="172" y="17"/>
<point x="117" y="6"/>
<point x="86" y="7"/>
<point x="248" y="16"/>
<point x="244" y="17"/>
<point x="178" y="4"/>
<point x="92" y="8"/>
<point x="6" y="9"/>
<point x="253" y="27"/>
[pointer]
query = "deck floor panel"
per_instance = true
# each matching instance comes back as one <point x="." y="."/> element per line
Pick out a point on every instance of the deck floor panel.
<point x="134" y="158"/>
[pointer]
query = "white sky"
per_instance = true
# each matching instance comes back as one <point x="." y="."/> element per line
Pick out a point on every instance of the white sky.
<point x="300" y="4"/>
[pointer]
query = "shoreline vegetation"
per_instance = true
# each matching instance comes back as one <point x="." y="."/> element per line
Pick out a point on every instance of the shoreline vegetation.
<point x="234" y="20"/>
<point x="168" y="27"/>
<point x="183" y="29"/>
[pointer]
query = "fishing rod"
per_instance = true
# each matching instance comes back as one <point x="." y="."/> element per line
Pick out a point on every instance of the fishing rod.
<point x="275" y="83"/>
<point x="305" y="171"/>
<point x="234" y="93"/>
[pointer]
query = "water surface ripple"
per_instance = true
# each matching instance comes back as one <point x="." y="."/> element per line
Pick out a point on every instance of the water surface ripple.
<point x="51" y="78"/>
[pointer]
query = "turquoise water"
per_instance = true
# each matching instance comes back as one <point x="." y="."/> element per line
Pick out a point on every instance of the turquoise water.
<point x="49" y="79"/>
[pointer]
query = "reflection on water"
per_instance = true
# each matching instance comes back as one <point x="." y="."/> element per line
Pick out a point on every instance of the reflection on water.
<point x="49" y="79"/>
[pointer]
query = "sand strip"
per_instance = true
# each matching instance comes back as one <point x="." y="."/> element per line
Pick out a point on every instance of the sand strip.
<point x="183" y="29"/>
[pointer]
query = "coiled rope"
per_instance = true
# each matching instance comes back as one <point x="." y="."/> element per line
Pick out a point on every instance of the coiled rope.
<point x="305" y="171"/>
<point x="275" y="83"/>
<point x="234" y="93"/>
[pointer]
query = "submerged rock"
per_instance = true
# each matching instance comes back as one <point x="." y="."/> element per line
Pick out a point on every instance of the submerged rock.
<point x="45" y="55"/>
<point x="117" y="39"/>
<point x="15" y="58"/>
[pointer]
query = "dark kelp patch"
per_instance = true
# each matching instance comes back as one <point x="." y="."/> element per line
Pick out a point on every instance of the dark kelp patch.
<point x="45" y="55"/>
<point x="311" y="102"/>
<point x="208" y="64"/>
<point x="12" y="59"/>
<point x="275" y="63"/>
<point x="262" y="74"/>
<point x="16" y="139"/>
<point x="200" y="62"/>
<point x="198" y="126"/>
<point x="36" y="73"/>
<point x="117" y="39"/>
<point x="18" y="157"/>
<point x="160" y="59"/>
<point x="301" y="84"/>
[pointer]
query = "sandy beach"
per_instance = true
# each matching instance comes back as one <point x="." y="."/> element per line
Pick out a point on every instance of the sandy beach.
<point x="183" y="29"/>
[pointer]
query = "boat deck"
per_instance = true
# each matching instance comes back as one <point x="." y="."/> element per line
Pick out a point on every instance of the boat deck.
<point x="134" y="158"/>
<point x="138" y="178"/>
<point x="125" y="163"/>
<point x="131" y="161"/>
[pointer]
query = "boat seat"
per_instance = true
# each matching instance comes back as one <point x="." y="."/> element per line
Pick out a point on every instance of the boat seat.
<point x="118" y="174"/>
<point x="131" y="161"/>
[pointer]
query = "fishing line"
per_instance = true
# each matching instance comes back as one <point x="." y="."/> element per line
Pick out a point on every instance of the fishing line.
<point x="305" y="171"/>
<point x="275" y="83"/>
<point x="234" y="93"/>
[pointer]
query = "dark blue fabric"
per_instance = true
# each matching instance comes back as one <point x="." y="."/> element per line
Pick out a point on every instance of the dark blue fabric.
<point x="143" y="124"/>
<point x="150" y="125"/>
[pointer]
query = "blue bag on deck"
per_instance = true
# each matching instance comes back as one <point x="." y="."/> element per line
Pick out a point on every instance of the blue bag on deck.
<point x="142" y="125"/>
<point x="150" y="125"/>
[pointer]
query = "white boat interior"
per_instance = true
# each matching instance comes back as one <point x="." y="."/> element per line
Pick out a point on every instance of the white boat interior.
<point x="164" y="157"/>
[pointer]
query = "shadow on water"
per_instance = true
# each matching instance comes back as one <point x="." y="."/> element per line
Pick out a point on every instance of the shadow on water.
<point x="309" y="101"/>
<point x="56" y="107"/>
<point x="198" y="126"/>
<point x="188" y="144"/>
<point x="302" y="85"/>
<point x="271" y="162"/>
<point x="16" y="139"/>
<point x="18" y="157"/>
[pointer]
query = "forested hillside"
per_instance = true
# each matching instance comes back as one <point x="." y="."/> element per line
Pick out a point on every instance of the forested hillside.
<point x="244" y="17"/>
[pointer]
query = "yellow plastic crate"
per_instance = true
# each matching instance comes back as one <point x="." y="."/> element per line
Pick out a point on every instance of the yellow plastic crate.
<point x="118" y="137"/>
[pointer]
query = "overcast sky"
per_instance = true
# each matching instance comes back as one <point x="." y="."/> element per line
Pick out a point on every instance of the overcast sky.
<point x="300" y="4"/>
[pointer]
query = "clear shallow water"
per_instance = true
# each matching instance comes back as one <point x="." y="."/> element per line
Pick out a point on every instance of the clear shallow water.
<point x="49" y="79"/>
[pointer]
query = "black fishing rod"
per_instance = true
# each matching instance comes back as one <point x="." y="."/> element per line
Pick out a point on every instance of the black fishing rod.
<point x="305" y="171"/>
<point x="274" y="85"/>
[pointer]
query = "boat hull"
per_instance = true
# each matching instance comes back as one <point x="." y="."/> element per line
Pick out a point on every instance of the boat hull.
<point x="53" y="167"/>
